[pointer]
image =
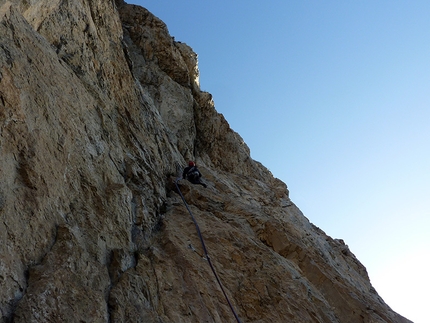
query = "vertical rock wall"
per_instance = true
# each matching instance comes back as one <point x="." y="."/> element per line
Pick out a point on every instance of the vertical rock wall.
<point x="99" y="109"/>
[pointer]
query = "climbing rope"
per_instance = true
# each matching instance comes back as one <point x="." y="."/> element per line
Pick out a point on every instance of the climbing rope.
<point x="205" y="251"/>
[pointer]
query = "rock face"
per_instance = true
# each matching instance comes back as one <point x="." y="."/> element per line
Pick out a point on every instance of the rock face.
<point x="99" y="110"/>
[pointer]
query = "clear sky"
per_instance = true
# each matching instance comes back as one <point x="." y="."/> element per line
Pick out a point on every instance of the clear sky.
<point x="334" y="98"/>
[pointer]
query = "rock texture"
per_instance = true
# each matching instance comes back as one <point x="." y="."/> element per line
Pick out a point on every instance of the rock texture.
<point x="99" y="109"/>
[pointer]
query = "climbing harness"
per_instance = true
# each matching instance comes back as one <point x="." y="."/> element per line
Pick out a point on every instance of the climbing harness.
<point x="205" y="251"/>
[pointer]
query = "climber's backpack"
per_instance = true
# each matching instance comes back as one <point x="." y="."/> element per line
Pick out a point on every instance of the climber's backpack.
<point x="193" y="173"/>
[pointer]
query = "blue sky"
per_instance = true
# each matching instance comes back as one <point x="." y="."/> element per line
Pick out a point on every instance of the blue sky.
<point x="334" y="98"/>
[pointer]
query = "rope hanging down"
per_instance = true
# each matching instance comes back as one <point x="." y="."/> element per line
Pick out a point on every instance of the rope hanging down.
<point x="206" y="252"/>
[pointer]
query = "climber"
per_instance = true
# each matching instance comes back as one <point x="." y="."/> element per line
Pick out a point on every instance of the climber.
<point x="192" y="174"/>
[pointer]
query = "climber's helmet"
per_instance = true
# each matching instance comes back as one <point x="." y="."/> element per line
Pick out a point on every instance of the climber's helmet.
<point x="191" y="164"/>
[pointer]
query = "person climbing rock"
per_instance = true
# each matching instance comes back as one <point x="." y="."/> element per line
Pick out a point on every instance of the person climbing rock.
<point x="192" y="174"/>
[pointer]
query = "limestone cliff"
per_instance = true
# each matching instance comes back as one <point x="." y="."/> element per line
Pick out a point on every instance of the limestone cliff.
<point x="99" y="109"/>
